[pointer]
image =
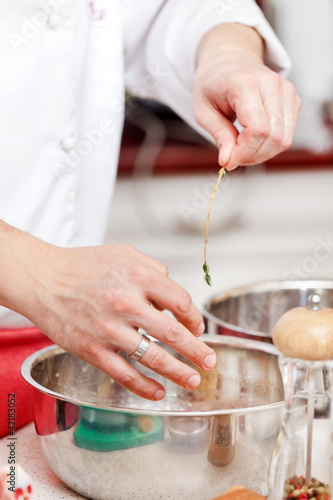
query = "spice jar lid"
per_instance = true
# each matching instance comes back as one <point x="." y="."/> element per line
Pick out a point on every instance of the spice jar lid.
<point x="306" y="332"/>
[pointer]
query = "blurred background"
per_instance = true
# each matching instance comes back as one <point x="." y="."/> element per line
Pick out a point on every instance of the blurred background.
<point x="271" y="221"/>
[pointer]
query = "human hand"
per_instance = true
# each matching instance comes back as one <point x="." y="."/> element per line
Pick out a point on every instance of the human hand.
<point x="91" y="301"/>
<point x="233" y="82"/>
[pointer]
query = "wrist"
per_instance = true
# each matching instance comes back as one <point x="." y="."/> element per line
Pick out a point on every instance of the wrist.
<point x="232" y="41"/>
<point x="20" y="262"/>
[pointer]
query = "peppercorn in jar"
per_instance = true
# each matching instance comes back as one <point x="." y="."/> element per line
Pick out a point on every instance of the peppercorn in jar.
<point x="297" y="487"/>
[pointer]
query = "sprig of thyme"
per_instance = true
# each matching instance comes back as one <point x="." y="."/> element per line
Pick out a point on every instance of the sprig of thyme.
<point x="205" y="266"/>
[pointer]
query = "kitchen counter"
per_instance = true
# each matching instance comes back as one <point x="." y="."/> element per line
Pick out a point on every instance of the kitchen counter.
<point x="46" y="485"/>
<point x="263" y="226"/>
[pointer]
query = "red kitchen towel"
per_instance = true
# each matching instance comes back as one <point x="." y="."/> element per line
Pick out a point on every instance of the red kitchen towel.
<point x="15" y="346"/>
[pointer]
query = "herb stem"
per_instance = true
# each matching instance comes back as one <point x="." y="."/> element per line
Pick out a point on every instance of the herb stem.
<point x="205" y="266"/>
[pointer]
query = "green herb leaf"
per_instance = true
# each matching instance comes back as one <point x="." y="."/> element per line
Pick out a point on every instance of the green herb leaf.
<point x="208" y="279"/>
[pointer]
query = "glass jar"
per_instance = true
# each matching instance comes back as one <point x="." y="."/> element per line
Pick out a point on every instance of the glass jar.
<point x="301" y="464"/>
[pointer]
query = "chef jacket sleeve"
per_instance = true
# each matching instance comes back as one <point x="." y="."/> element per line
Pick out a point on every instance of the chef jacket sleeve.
<point x="161" y="39"/>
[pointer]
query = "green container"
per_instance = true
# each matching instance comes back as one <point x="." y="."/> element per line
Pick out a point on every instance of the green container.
<point x="106" y="430"/>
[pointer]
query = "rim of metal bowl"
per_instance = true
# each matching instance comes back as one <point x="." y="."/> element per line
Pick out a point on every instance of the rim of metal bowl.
<point x="257" y="287"/>
<point x="50" y="351"/>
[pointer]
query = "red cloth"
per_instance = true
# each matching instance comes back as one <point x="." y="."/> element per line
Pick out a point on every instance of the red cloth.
<point x="15" y="347"/>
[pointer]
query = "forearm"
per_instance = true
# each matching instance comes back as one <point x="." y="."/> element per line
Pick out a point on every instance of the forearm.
<point x="19" y="255"/>
<point x="6" y="277"/>
<point x="234" y="41"/>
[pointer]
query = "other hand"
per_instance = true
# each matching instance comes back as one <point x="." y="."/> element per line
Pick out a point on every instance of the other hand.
<point x="233" y="82"/>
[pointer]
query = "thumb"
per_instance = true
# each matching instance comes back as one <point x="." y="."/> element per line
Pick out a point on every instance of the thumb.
<point x="228" y="140"/>
<point x="221" y="129"/>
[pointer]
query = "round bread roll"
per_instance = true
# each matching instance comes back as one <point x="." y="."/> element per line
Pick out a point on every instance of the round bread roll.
<point x="306" y="332"/>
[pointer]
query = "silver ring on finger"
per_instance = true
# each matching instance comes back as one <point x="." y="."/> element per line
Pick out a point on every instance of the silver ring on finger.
<point x="141" y="349"/>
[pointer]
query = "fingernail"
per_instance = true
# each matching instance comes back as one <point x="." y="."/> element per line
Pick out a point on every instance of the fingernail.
<point x="201" y="328"/>
<point x="224" y="156"/>
<point x="159" y="395"/>
<point x="210" y="361"/>
<point x="194" y="381"/>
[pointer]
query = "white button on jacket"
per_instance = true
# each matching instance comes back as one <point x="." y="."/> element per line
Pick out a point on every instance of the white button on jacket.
<point x="64" y="65"/>
<point x="68" y="143"/>
<point x="54" y="21"/>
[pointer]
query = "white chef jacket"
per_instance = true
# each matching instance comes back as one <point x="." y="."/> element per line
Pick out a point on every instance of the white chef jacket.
<point x="64" y="65"/>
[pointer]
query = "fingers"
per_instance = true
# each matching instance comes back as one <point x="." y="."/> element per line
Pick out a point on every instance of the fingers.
<point x="221" y="128"/>
<point x="155" y="358"/>
<point x="139" y="313"/>
<point x="268" y="119"/>
<point x="168" y="295"/>
<point x="127" y="375"/>
<point x="246" y="100"/>
<point x="228" y="143"/>
<point x="148" y="286"/>
<point x="267" y="108"/>
<point x="174" y="334"/>
<point x="160" y="361"/>
<point x="133" y="310"/>
<point x="281" y="105"/>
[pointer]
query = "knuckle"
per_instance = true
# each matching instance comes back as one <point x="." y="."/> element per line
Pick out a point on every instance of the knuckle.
<point x="156" y="359"/>
<point x="126" y="379"/>
<point x="172" y="335"/>
<point x="164" y="270"/>
<point x="261" y="131"/>
<point x="286" y="142"/>
<point x="121" y="303"/>
<point x="276" y="138"/>
<point x="147" y="391"/>
<point x="103" y="297"/>
<point x="184" y="301"/>
<point x="179" y="376"/>
<point x="216" y="134"/>
<point x="234" y="96"/>
<point x="290" y="89"/>
<point x="138" y="273"/>
<point x="91" y="350"/>
<point x="277" y="123"/>
<point x="196" y="352"/>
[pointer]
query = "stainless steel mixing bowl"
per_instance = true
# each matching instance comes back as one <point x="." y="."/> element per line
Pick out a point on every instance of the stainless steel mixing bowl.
<point x="251" y="311"/>
<point x="108" y="444"/>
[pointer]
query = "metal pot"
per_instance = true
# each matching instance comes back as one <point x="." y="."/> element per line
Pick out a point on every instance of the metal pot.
<point x="251" y="311"/>
<point x="106" y="443"/>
